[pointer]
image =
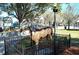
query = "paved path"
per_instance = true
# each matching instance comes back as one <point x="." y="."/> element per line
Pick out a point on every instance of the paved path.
<point x="71" y="27"/>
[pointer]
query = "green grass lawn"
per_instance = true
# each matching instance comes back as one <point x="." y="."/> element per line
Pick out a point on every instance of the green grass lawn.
<point x="73" y="33"/>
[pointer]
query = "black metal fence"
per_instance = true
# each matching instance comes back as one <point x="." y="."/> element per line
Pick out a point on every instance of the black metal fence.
<point x="62" y="42"/>
<point x="24" y="46"/>
<point x="11" y="45"/>
<point x="44" y="48"/>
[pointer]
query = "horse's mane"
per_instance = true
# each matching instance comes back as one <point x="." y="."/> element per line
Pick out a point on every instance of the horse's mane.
<point x="42" y="28"/>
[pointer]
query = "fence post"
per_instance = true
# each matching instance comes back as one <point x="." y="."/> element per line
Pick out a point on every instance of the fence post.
<point x="55" y="44"/>
<point x="22" y="50"/>
<point x="69" y="41"/>
<point x="5" y="47"/>
<point x="31" y="46"/>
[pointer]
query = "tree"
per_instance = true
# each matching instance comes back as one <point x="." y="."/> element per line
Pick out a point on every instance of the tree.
<point x="30" y="10"/>
<point x="69" y="15"/>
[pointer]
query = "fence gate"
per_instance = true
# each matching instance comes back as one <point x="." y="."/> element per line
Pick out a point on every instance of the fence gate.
<point x="11" y="44"/>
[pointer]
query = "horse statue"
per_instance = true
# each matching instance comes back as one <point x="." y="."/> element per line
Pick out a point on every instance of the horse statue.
<point x="37" y="34"/>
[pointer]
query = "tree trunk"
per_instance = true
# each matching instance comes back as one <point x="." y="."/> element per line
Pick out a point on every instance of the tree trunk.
<point x="68" y="25"/>
<point x="65" y="27"/>
<point x="19" y="11"/>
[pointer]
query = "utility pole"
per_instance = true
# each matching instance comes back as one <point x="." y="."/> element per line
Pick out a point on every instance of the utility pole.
<point x="55" y="10"/>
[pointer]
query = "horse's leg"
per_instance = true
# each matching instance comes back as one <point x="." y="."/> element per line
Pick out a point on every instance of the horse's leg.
<point x="50" y="41"/>
<point x="47" y="37"/>
<point x="37" y="47"/>
<point x="51" y="37"/>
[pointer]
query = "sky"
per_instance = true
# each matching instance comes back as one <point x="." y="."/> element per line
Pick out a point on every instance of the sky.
<point x="74" y="5"/>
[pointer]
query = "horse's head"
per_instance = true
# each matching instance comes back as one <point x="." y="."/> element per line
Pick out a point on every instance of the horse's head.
<point x="25" y="32"/>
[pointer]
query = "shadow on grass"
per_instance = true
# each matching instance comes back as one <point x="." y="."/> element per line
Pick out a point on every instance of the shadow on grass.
<point x="72" y="29"/>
